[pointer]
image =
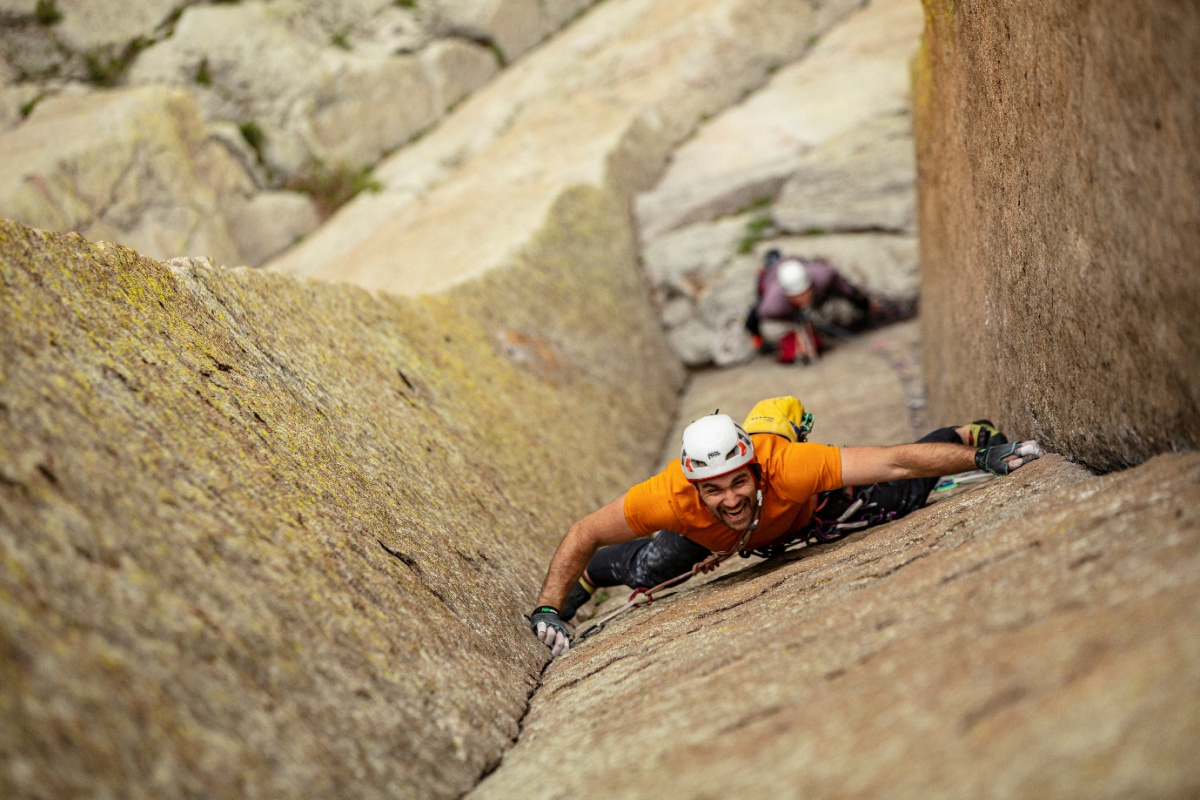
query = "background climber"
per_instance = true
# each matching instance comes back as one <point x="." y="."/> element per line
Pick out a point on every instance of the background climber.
<point x="730" y="493"/>
<point x="790" y="288"/>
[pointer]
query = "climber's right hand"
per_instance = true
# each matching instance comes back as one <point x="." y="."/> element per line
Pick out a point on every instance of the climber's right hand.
<point x="550" y="630"/>
<point x="1002" y="459"/>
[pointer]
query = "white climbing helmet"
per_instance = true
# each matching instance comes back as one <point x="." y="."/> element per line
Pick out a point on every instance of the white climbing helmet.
<point x="714" y="446"/>
<point x="793" y="277"/>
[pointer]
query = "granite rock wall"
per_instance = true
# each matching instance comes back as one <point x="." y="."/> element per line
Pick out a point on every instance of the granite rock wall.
<point x="267" y="537"/>
<point x="1033" y="638"/>
<point x="1059" y="218"/>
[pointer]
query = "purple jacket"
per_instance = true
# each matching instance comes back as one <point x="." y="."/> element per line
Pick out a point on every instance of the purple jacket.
<point x="827" y="282"/>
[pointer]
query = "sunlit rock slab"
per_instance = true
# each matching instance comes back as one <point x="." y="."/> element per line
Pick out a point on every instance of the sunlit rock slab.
<point x="857" y="72"/>
<point x="1038" y="637"/>
<point x="600" y="104"/>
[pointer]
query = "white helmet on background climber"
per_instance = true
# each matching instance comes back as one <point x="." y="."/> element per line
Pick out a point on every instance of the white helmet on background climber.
<point x="714" y="446"/>
<point x="793" y="277"/>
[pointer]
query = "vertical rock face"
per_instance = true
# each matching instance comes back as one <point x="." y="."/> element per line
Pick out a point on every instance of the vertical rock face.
<point x="1059" y="214"/>
<point x="269" y="538"/>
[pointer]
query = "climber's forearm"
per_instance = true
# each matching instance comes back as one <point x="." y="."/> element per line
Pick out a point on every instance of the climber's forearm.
<point x="604" y="526"/>
<point x="863" y="465"/>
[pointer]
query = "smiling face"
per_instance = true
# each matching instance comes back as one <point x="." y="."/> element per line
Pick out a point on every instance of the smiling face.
<point x="731" y="498"/>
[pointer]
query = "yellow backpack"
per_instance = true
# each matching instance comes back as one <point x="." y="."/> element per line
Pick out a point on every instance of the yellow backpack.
<point x="784" y="416"/>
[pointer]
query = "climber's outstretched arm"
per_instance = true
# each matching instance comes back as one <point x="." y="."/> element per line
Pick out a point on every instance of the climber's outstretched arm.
<point x="863" y="465"/>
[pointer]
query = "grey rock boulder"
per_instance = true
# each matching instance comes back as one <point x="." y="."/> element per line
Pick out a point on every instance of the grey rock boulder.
<point x="856" y="71"/>
<point x="513" y="26"/>
<point x="268" y="222"/>
<point x="862" y="181"/>
<point x="687" y="261"/>
<point x="118" y="166"/>
<point x="276" y="69"/>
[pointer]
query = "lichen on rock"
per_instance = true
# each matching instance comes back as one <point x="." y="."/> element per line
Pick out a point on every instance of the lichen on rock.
<point x="276" y="537"/>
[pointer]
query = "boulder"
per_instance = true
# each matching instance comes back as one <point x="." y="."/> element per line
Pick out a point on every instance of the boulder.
<point x="276" y="69"/>
<point x="28" y="50"/>
<point x="456" y="68"/>
<point x="268" y="537"/>
<point x="118" y="166"/>
<point x="693" y="341"/>
<point x="599" y="105"/>
<point x="266" y="223"/>
<point x="512" y="26"/>
<point x="864" y="180"/>
<point x="687" y="261"/>
<point x="94" y="25"/>
<point x="729" y="299"/>
<point x="15" y="104"/>
<point x="1058" y="207"/>
<point x="856" y="71"/>
<point x="362" y="108"/>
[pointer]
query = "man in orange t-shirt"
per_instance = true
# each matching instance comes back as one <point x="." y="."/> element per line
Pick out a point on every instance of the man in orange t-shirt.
<point x="729" y="493"/>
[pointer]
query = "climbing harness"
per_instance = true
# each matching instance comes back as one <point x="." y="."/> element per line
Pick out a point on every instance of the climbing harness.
<point x="858" y="513"/>
<point x="854" y="511"/>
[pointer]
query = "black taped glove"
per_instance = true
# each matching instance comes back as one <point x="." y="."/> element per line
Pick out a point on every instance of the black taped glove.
<point x="992" y="459"/>
<point x="550" y="630"/>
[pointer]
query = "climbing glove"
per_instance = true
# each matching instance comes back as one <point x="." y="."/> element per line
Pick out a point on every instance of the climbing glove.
<point x="550" y="630"/>
<point x="991" y="459"/>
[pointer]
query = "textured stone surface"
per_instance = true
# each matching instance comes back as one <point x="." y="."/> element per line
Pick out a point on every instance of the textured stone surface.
<point x="687" y="261"/>
<point x="856" y="71"/>
<point x="272" y="64"/>
<point x="825" y="146"/>
<point x="91" y="24"/>
<point x="267" y="223"/>
<point x="270" y="538"/>
<point x="1038" y="637"/>
<point x="457" y="68"/>
<point x="514" y="26"/>
<point x="599" y="105"/>
<point x="861" y="181"/>
<point x="14" y="101"/>
<point x="1059" y="203"/>
<point x="313" y="85"/>
<point x="118" y="166"/>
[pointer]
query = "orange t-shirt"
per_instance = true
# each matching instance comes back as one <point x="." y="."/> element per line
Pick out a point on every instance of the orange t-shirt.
<point x="793" y="473"/>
